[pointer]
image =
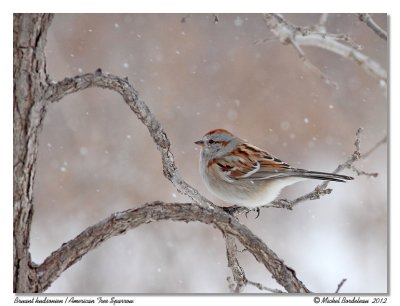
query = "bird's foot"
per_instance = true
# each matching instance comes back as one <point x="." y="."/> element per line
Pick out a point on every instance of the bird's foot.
<point x="232" y="210"/>
<point x="237" y="210"/>
<point x="257" y="210"/>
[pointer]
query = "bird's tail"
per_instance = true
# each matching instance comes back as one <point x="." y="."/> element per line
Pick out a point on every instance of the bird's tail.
<point x="323" y="176"/>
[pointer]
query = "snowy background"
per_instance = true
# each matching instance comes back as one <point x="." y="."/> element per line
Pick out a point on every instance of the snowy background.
<point x="96" y="158"/>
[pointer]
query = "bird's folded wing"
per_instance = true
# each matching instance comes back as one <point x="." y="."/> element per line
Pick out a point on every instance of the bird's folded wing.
<point x="250" y="163"/>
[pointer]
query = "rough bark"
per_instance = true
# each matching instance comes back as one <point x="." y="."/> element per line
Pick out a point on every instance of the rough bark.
<point x="32" y="91"/>
<point x="283" y="274"/>
<point x="30" y="83"/>
<point x="118" y="223"/>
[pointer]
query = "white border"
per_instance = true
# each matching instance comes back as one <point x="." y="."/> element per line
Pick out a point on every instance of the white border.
<point x="173" y="6"/>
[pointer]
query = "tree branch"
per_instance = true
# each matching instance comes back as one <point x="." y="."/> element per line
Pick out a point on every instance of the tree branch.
<point x="323" y="19"/>
<point x="367" y="19"/>
<point x="29" y="111"/>
<point x="322" y="189"/>
<point x="118" y="223"/>
<point x="122" y="86"/>
<point x="302" y="36"/>
<point x="377" y="145"/>
<point x="264" y="288"/>
<point x="340" y="285"/>
<point x="239" y="277"/>
<point x="57" y="91"/>
<point x="28" y="117"/>
<point x="237" y="271"/>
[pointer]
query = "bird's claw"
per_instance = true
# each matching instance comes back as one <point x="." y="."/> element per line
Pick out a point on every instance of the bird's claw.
<point x="257" y="209"/>
<point x="235" y="210"/>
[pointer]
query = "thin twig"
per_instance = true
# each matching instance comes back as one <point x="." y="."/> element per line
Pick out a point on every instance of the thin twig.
<point x="121" y="85"/>
<point x="239" y="276"/>
<point x="264" y="288"/>
<point x="119" y="223"/>
<point x="340" y="285"/>
<point x="367" y="19"/>
<point x="307" y="63"/>
<point x="361" y="172"/>
<point x="318" y="72"/>
<point x="358" y="141"/>
<point x="264" y="40"/>
<point x="321" y="189"/>
<point x="323" y="19"/>
<point x="204" y="210"/>
<point x="298" y="49"/>
<point x="306" y="36"/>
<point x="185" y="18"/>
<point x="377" y="145"/>
<point x="216" y="18"/>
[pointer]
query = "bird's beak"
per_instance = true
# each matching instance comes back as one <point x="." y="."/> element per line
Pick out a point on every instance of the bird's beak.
<point x="200" y="143"/>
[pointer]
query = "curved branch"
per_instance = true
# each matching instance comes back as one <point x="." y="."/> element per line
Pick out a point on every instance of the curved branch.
<point x="297" y="36"/>
<point x="118" y="223"/>
<point x="57" y="91"/>
<point x="61" y="259"/>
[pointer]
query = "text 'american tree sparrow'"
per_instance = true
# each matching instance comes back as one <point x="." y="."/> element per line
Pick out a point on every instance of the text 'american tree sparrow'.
<point x="242" y="174"/>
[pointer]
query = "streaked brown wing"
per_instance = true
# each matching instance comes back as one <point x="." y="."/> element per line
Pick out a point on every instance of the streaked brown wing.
<point x="249" y="162"/>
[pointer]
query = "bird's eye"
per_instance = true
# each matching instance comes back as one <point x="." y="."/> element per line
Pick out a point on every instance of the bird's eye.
<point x="211" y="141"/>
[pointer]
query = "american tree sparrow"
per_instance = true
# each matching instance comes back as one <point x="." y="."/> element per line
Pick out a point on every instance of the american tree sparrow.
<point x="244" y="175"/>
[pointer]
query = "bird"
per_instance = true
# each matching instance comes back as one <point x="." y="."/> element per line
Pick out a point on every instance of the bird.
<point x="242" y="174"/>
